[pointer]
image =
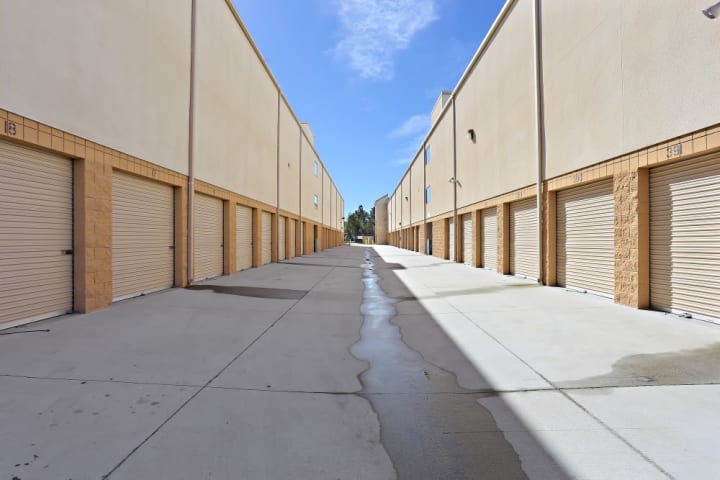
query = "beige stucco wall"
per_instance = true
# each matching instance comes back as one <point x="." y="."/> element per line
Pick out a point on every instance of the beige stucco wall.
<point x="624" y="75"/>
<point x="326" y="196"/>
<point x="405" y="204"/>
<point x="497" y="101"/>
<point x="311" y="184"/>
<point x="391" y="213"/>
<point x="439" y="105"/>
<point x="417" y="189"/>
<point x="236" y="108"/>
<point x="332" y="200"/>
<point x="397" y="210"/>
<point x="289" y="171"/>
<point x="440" y="168"/>
<point x="381" y="220"/>
<point x="93" y="68"/>
<point x="341" y="212"/>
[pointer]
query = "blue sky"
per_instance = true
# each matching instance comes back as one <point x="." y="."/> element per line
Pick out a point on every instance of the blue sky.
<point x="365" y="74"/>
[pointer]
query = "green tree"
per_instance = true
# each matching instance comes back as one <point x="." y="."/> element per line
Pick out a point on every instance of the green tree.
<point x="360" y="222"/>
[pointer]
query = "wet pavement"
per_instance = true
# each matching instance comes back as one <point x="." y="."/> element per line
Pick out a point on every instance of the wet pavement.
<point x="431" y="426"/>
<point x="360" y="363"/>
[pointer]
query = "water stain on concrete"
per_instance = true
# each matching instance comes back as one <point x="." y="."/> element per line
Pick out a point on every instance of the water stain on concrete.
<point x="430" y="426"/>
<point x="255" y="292"/>
<point x="696" y="366"/>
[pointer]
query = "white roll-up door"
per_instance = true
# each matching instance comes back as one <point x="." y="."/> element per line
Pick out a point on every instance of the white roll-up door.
<point x="266" y="238"/>
<point x="208" y="238"/>
<point x="143" y="235"/>
<point x="586" y="237"/>
<point x="36" y="261"/>
<point x="291" y="253"/>
<point x="281" y="239"/>
<point x="524" y="238"/>
<point x="451" y="237"/>
<point x="243" y="237"/>
<point x="488" y="241"/>
<point x="468" y="239"/>
<point x="685" y="237"/>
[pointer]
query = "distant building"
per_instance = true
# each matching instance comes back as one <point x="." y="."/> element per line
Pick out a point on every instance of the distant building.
<point x="381" y="220"/>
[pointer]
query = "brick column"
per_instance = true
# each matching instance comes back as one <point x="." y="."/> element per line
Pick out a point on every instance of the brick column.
<point x="257" y="238"/>
<point x="438" y="238"/>
<point x="274" y="245"/>
<point x="503" y="239"/>
<point x="229" y="237"/>
<point x="476" y="242"/>
<point x="181" y="239"/>
<point x="288" y="241"/>
<point x="549" y="238"/>
<point x="92" y="248"/>
<point x="632" y="240"/>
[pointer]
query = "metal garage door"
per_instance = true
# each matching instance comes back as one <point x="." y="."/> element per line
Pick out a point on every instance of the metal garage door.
<point x="36" y="262"/>
<point x="451" y="236"/>
<point x="208" y="239"/>
<point x="143" y="235"/>
<point x="243" y="237"/>
<point x="685" y="237"/>
<point x="266" y="238"/>
<point x="488" y="242"/>
<point x="281" y="239"/>
<point x="524" y="238"/>
<point x="586" y="237"/>
<point x="467" y="239"/>
<point x="291" y="253"/>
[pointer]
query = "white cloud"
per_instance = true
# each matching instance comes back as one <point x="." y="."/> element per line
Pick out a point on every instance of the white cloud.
<point x="374" y="30"/>
<point x="400" y="162"/>
<point x="417" y="124"/>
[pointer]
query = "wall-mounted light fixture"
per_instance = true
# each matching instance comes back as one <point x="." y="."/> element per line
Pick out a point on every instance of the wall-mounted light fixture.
<point x="712" y="11"/>
<point x="406" y="199"/>
<point x="471" y="135"/>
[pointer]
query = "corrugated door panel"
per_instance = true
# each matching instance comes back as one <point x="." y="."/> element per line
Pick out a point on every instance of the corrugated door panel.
<point x="36" y="264"/>
<point x="685" y="237"/>
<point x="291" y="253"/>
<point x="143" y="235"/>
<point x="243" y="237"/>
<point x="281" y="239"/>
<point x="208" y="250"/>
<point x="467" y="239"/>
<point x="451" y="236"/>
<point x="586" y="237"/>
<point x="488" y="242"/>
<point x="266" y="238"/>
<point x="524" y="238"/>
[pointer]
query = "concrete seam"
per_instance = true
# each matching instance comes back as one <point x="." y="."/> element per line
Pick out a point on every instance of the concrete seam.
<point x="562" y="392"/>
<point x="205" y="386"/>
<point x="489" y="391"/>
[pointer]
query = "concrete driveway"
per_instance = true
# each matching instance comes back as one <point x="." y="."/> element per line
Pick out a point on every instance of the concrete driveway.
<point x="360" y="363"/>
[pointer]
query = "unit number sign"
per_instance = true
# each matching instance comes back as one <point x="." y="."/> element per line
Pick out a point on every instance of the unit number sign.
<point x="10" y="128"/>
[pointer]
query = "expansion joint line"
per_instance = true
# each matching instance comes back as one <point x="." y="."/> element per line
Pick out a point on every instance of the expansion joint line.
<point x="207" y="384"/>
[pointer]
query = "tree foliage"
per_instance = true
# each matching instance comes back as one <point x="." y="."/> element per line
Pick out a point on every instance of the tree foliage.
<point x="360" y="223"/>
